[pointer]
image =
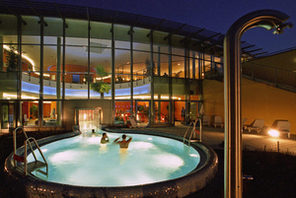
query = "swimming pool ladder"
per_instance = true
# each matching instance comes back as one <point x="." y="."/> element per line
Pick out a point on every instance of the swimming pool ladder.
<point x="192" y="132"/>
<point x="36" y="164"/>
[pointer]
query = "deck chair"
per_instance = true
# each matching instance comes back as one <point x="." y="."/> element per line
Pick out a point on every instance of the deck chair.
<point x="133" y="122"/>
<point x="218" y="121"/>
<point x="256" y="126"/>
<point x="284" y="126"/>
<point x="205" y="120"/>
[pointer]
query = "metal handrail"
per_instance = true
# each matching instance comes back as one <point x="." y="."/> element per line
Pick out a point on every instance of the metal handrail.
<point x="185" y="135"/>
<point x="193" y="131"/>
<point x="14" y="141"/>
<point x="26" y="153"/>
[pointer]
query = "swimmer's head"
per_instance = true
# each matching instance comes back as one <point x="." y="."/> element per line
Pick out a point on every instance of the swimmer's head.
<point x="123" y="136"/>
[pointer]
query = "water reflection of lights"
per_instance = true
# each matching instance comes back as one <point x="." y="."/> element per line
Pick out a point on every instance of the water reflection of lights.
<point x="193" y="155"/>
<point x="65" y="156"/>
<point x="44" y="150"/>
<point x="103" y="148"/>
<point x="84" y="116"/>
<point x="93" y="140"/>
<point x="168" y="161"/>
<point x="141" y="145"/>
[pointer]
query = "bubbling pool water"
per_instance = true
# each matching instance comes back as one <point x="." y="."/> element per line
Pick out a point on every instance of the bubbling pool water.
<point x="83" y="161"/>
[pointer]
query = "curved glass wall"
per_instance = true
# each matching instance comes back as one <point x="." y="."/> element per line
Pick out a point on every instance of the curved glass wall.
<point x="150" y="75"/>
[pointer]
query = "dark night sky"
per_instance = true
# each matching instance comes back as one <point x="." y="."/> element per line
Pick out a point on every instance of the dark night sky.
<point x="215" y="15"/>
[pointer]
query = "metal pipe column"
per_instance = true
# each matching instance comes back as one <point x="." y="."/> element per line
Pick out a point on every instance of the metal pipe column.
<point x="269" y="19"/>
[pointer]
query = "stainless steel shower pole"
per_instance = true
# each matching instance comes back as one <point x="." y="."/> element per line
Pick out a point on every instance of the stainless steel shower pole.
<point x="271" y="20"/>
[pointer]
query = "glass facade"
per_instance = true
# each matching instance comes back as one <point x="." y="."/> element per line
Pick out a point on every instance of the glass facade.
<point x="45" y="61"/>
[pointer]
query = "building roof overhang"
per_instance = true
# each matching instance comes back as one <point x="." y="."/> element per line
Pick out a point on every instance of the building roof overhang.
<point x="208" y="41"/>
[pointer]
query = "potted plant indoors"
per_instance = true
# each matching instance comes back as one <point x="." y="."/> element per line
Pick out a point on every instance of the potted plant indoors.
<point x="100" y="86"/>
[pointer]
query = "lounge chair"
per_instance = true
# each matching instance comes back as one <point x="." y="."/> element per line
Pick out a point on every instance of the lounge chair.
<point x="205" y="120"/>
<point x="283" y="126"/>
<point x="133" y="122"/>
<point x="256" y="126"/>
<point x="218" y="121"/>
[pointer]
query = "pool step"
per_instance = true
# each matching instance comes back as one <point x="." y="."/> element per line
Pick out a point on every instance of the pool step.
<point x="36" y="165"/>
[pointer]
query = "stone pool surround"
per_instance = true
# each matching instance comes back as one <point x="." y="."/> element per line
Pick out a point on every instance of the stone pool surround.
<point x="31" y="186"/>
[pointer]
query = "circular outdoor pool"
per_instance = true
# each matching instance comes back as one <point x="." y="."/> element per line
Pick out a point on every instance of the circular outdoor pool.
<point x="83" y="161"/>
<point x="154" y="165"/>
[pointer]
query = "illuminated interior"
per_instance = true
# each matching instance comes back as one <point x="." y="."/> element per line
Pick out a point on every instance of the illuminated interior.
<point x="55" y="67"/>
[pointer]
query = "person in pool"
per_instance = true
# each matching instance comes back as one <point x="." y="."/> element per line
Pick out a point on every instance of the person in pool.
<point x="123" y="143"/>
<point x="104" y="138"/>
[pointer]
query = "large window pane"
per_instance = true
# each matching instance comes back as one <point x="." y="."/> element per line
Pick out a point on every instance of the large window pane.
<point x="8" y="55"/>
<point x="30" y="85"/>
<point x="160" y="42"/>
<point x="8" y="29"/>
<point x="31" y="30"/>
<point x="77" y="32"/>
<point x="101" y="31"/>
<point x="141" y="39"/>
<point x="53" y="30"/>
<point x="30" y="112"/>
<point x="179" y="111"/>
<point x="50" y="113"/>
<point x="52" y="76"/>
<point x="31" y="71"/>
<point x="122" y="37"/>
<point x="100" y="60"/>
<point x="161" y="82"/>
<point x="101" y="74"/>
<point x="8" y="75"/>
<point x="142" y="112"/>
<point x="178" y="44"/>
<point x="76" y="73"/>
<point x="178" y="67"/>
<point x="142" y="75"/>
<point x="122" y="112"/>
<point x="161" y="112"/>
<point x="122" y="74"/>
<point x="179" y="88"/>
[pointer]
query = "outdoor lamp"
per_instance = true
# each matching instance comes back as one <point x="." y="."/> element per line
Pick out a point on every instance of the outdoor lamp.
<point x="273" y="133"/>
